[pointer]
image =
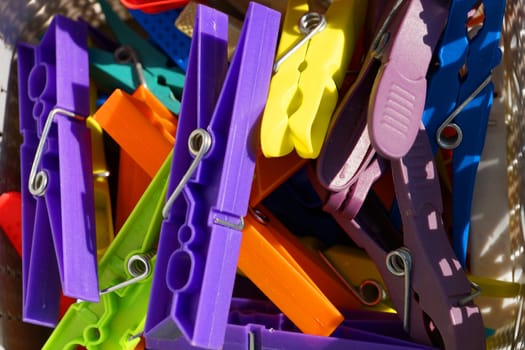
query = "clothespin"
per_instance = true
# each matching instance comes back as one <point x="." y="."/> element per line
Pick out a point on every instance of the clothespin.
<point x="301" y="285"/>
<point x="201" y="233"/>
<point x="11" y="218"/>
<point x="125" y="276"/>
<point x="162" y="31"/>
<point x="102" y="197"/>
<point x="258" y="325"/>
<point x="304" y="90"/>
<point x="373" y="118"/>
<point x="459" y="100"/>
<point x="153" y="6"/>
<point x="424" y="279"/>
<point x="135" y="61"/>
<point x="57" y="193"/>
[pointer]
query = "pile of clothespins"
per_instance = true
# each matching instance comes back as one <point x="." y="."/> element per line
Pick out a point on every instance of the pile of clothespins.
<point x="209" y="176"/>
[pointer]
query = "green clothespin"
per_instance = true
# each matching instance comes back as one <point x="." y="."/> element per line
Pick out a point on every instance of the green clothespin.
<point x="125" y="272"/>
<point x="135" y="62"/>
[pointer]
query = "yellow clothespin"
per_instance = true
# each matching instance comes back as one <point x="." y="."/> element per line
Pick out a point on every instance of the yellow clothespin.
<point x="103" y="212"/>
<point x="308" y="72"/>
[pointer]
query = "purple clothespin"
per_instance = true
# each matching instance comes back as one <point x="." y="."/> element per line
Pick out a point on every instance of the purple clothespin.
<point x="424" y="278"/>
<point x="256" y="325"/>
<point x="57" y="179"/>
<point x="381" y="112"/>
<point x="213" y="164"/>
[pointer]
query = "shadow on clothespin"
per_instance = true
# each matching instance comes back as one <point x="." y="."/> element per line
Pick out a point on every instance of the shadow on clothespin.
<point x="424" y="279"/>
<point x="135" y="62"/>
<point x="211" y="176"/>
<point x="125" y="274"/>
<point x="314" y="52"/>
<point x="59" y="249"/>
<point x="460" y="94"/>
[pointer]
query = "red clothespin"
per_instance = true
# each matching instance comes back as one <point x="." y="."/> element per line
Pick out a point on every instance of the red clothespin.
<point x="11" y="218"/>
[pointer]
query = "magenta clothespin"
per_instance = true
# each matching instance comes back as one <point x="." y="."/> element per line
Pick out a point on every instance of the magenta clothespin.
<point x="58" y="224"/>
<point x="425" y="280"/>
<point x="211" y="177"/>
<point x="382" y="111"/>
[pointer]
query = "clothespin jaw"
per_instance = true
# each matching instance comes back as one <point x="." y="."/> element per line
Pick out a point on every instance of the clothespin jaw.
<point x="151" y="65"/>
<point x="125" y="275"/>
<point x="218" y="130"/>
<point x="58" y="224"/>
<point x="459" y="99"/>
<point x="304" y="90"/>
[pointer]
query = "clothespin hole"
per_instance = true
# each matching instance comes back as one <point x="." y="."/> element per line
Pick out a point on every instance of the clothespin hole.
<point x="450" y="137"/>
<point x="463" y="72"/>
<point x="38" y="109"/>
<point x="124" y="54"/>
<point x="92" y="334"/>
<point x="259" y="216"/>
<point x="475" y="19"/>
<point x="371" y="292"/>
<point x="180" y="268"/>
<point x="37" y="81"/>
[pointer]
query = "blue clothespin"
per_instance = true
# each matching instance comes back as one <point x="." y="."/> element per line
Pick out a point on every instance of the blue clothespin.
<point x="459" y="98"/>
<point x="59" y="248"/>
<point x="212" y="169"/>
<point x="163" y="32"/>
<point x="142" y="64"/>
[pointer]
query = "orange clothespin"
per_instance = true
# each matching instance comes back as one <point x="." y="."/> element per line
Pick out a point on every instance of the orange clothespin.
<point x="144" y="128"/>
<point x="294" y="278"/>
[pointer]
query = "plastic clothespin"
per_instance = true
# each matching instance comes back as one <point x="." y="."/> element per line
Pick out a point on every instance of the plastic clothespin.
<point x="59" y="249"/>
<point x="126" y="275"/>
<point x="301" y="285"/>
<point x="201" y="234"/>
<point x="11" y="218"/>
<point x="348" y="164"/>
<point x="258" y="325"/>
<point x="304" y="90"/>
<point x="460" y="95"/>
<point x="153" y="6"/>
<point x="103" y="210"/>
<point x="117" y="69"/>
<point x="102" y="198"/>
<point x="163" y="32"/>
<point x="424" y="279"/>
<point x="144" y="128"/>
